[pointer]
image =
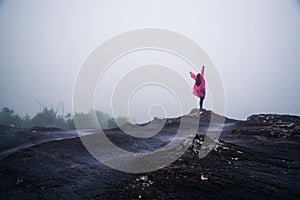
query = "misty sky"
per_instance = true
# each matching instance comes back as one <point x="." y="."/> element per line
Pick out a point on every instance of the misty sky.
<point x="254" y="44"/>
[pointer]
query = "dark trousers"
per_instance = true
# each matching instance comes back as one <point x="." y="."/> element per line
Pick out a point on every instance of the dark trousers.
<point x="201" y="102"/>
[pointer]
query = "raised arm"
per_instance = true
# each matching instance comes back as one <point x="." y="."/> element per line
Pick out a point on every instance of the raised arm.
<point x="202" y="71"/>
<point x="193" y="75"/>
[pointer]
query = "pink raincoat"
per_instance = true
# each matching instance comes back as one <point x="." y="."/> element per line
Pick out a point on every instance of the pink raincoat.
<point x="199" y="91"/>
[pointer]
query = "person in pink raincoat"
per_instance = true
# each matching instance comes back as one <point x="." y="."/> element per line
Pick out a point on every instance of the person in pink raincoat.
<point x="199" y="86"/>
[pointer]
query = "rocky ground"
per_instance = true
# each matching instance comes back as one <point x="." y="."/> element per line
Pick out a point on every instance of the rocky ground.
<point x="255" y="159"/>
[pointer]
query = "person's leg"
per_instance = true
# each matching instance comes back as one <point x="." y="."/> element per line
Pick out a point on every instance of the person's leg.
<point x="201" y="102"/>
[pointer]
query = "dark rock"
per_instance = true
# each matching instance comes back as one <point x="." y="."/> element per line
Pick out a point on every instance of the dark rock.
<point x="254" y="159"/>
<point x="270" y="125"/>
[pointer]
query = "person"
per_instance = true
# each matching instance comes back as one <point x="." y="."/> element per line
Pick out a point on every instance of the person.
<point x="199" y="86"/>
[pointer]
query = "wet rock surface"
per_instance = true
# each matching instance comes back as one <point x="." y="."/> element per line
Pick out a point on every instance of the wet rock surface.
<point x="228" y="172"/>
<point x="254" y="159"/>
<point x="274" y="126"/>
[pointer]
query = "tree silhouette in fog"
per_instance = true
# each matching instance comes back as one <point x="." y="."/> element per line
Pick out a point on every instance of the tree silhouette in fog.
<point x="51" y="118"/>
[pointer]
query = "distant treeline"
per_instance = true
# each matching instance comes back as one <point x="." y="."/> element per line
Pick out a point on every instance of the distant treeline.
<point x="49" y="118"/>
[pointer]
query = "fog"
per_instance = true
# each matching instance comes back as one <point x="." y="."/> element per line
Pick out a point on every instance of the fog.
<point x="254" y="44"/>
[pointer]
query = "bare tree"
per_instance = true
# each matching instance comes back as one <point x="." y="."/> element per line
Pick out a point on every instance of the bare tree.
<point x="43" y="104"/>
